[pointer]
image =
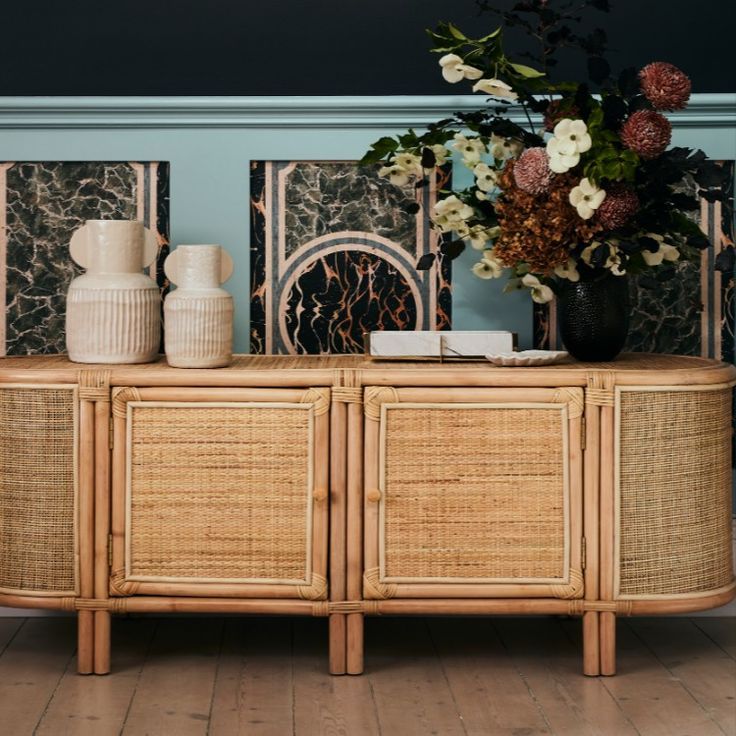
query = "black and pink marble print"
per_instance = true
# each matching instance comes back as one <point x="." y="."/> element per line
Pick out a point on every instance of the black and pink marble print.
<point x="45" y="203"/>
<point x="258" y="281"/>
<point x="333" y="254"/>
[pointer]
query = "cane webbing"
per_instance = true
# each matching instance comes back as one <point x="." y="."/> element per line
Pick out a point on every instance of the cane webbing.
<point x="37" y="489"/>
<point x="674" y="491"/>
<point x="474" y="493"/>
<point x="219" y="492"/>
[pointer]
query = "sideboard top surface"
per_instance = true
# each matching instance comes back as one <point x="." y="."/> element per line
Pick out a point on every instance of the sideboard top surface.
<point x="311" y="370"/>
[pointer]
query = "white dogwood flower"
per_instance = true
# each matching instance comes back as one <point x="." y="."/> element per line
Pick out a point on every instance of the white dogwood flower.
<point x="572" y="136"/>
<point x="486" y="178"/>
<point x="478" y="235"/>
<point x="665" y="252"/>
<point x="471" y="149"/>
<point x="541" y="293"/>
<point x="488" y="267"/>
<point x="504" y="148"/>
<point x="441" y="154"/>
<point x="454" y="70"/>
<point x="560" y="162"/>
<point x="568" y="271"/>
<point x="396" y="174"/>
<point x="586" y="198"/>
<point x="569" y="139"/>
<point x="450" y="213"/>
<point x="410" y="162"/>
<point x="495" y="87"/>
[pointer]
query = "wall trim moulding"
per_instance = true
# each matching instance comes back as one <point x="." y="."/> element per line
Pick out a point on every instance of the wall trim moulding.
<point x="705" y="110"/>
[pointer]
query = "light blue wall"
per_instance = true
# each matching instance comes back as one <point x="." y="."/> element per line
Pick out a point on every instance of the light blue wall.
<point x="210" y="141"/>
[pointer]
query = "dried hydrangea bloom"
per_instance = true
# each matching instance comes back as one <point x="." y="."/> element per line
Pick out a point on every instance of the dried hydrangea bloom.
<point x="539" y="229"/>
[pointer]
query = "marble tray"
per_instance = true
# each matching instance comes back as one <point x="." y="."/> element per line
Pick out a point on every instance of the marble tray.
<point x="528" y="357"/>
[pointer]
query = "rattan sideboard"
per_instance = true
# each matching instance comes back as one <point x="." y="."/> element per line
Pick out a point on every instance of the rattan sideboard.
<point x="343" y="487"/>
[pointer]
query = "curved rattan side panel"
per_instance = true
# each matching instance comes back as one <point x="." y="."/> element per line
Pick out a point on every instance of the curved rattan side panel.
<point x="219" y="493"/>
<point x="38" y="454"/>
<point x="673" y="480"/>
<point x="473" y="494"/>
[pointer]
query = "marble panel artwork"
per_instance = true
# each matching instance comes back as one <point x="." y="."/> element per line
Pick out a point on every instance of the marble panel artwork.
<point x="691" y="314"/>
<point x="41" y="205"/>
<point x="333" y="256"/>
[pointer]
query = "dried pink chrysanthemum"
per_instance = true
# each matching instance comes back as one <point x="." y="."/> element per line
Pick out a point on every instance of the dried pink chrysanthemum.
<point x="665" y="86"/>
<point x="531" y="172"/>
<point x="620" y="204"/>
<point x="647" y="133"/>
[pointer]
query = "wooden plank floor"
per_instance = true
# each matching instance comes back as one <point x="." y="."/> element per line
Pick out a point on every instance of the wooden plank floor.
<point x="424" y="677"/>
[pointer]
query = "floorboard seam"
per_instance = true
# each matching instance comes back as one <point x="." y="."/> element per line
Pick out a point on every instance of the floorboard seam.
<point x="293" y="682"/>
<point x="138" y="678"/>
<point x="444" y="675"/>
<point x="214" y="679"/>
<point x="53" y="692"/>
<point x="675" y="678"/>
<point x="15" y="633"/>
<point x="522" y="677"/>
<point x="708" y="636"/>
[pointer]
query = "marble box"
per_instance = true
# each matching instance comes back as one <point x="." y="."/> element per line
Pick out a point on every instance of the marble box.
<point x="41" y="205"/>
<point x="453" y="344"/>
<point x="333" y="254"/>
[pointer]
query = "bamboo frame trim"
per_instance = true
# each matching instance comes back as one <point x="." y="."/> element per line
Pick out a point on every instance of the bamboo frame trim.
<point x="617" y="497"/>
<point x="94" y="384"/>
<point x="564" y="410"/>
<point x="677" y="596"/>
<point x="305" y="582"/>
<point x="348" y="394"/>
<point x="75" y="479"/>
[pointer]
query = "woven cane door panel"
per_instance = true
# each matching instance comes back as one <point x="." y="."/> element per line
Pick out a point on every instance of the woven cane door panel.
<point x="38" y="455"/>
<point x="221" y="494"/>
<point x="673" y="492"/>
<point x="474" y="495"/>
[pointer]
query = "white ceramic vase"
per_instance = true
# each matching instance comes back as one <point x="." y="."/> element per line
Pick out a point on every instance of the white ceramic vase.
<point x="199" y="314"/>
<point x="113" y="312"/>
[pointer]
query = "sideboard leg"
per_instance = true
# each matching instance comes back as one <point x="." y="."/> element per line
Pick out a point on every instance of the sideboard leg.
<point x="591" y="644"/>
<point x="338" y="634"/>
<point x="355" y="643"/>
<point x="608" y="643"/>
<point x="85" y="642"/>
<point x="102" y="642"/>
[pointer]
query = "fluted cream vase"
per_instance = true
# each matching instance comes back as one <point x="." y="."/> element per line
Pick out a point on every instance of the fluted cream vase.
<point x="199" y="314"/>
<point x="113" y="312"/>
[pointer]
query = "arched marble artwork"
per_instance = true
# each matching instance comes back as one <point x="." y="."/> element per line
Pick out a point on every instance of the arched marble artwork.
<point x="333" y="255"/>
<point x="691" y="314"/>
<point x="41" y="205"/>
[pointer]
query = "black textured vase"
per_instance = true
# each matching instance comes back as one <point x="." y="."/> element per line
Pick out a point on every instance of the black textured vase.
<point x="594" y="317"/>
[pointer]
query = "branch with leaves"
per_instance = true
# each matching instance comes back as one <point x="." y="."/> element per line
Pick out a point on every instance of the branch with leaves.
<point x="593" y="191"/>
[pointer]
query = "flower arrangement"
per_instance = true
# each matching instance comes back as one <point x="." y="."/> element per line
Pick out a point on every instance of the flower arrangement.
<point x="592" y="190"/>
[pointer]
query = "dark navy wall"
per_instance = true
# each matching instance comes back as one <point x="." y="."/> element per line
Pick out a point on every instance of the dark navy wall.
<point x="306" y="47"/>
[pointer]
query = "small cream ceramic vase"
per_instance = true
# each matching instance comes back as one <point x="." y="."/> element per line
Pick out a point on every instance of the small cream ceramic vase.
<point x="199" y="314"/>
<point x="113" y="312"/>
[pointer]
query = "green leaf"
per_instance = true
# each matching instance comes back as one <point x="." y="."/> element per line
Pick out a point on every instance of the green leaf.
<point x="456" y="32"/>
<point x="491" y="35"/>
<point x="526" y="71"/>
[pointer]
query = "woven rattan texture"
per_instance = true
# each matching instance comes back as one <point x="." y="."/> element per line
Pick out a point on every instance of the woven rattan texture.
<point x="37" y="489"/>
<point x="474" y="493"/>
<point x="675" y="491"/>
<point x="219" y="492"/>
